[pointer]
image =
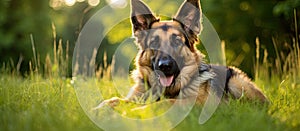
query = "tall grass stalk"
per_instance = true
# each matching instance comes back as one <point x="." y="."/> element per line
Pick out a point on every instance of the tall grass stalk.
<point x="34" y="53"/>
<point x="257" y="58"/>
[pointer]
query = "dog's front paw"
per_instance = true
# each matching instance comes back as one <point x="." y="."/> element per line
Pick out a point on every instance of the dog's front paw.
<point x="110" y="102"/>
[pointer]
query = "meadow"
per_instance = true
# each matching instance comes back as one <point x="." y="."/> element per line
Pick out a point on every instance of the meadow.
<point x="45" y="99"/>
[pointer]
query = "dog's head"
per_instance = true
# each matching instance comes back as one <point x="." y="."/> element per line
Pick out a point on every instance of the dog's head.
<point x="166" y="46"/>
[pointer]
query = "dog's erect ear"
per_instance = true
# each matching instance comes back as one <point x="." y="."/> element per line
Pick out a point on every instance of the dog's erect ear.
<point x="190" y="15"/>
<point x="141" y="16"/>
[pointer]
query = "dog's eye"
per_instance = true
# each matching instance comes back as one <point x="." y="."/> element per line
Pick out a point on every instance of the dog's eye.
<point x="154" y="43"/>
<point x="176" y="40"/>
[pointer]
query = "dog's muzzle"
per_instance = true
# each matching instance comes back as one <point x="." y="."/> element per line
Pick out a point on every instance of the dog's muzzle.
<point x="167" y="70"/>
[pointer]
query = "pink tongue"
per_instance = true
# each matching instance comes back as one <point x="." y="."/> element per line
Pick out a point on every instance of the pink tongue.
<point x="166" y="81"/>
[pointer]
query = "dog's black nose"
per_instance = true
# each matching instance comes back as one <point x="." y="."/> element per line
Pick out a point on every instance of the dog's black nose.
<point x="165" y="64"/>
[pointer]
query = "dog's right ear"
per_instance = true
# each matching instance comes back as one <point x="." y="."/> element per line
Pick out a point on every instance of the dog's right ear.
<point x="141" y="16"/>
<point x="190" y="15"/>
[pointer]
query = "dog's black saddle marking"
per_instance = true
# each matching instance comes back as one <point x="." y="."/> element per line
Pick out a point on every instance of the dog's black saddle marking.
<point x="229" y="74"/>
<point x="222" y="76"/>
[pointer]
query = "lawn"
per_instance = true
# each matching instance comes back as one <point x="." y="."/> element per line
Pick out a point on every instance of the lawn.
<point x="37" y="103"/>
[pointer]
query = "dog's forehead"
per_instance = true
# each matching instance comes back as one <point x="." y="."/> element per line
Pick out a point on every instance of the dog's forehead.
<point x="168" y="23"/>
<point x="167" y="26"/>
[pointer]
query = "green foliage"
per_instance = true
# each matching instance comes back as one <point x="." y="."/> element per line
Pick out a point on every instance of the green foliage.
<point x="45" y="99"/>
<point x="239" y="22"/>
<point x="286" y="7"/>
<point x="19" y="19"/>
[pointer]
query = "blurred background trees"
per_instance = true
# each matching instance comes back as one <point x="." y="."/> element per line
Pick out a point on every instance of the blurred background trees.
<point x="238" y="23"/>
<point x="19" y="19"/>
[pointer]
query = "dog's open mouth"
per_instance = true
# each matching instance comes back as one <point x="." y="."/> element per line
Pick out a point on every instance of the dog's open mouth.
<point x="166" y="81"/>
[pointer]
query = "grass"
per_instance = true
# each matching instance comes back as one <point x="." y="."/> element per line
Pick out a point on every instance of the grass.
<point x="37" y="103"/>
<point x="40" y="104"/>
<point x="46" y="100"/>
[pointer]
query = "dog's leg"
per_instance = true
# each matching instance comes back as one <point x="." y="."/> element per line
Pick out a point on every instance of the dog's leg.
<point x="112" y="102"/>
<point x="167" y="104"/>
<point x="239" y="85"/>
<point x="134" y="94"/>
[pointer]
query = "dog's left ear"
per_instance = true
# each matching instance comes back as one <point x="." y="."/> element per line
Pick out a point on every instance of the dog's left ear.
<point x="190" y="15"/>
<point x="141" y="16"/>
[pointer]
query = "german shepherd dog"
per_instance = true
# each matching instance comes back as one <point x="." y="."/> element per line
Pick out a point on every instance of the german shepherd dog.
<point x="169" y="65"/>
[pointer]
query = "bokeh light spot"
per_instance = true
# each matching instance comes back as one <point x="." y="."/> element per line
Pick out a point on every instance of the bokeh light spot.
<point x="93" y="2"/>
<point x="70" y="2"/>
<point x="117" y="3"/>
